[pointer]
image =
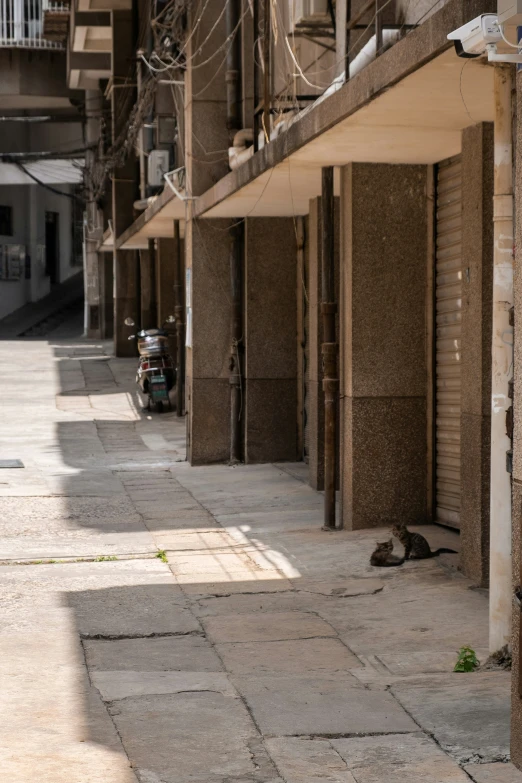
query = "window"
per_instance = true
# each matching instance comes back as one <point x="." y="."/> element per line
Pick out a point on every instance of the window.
<point x="6" y="221"/>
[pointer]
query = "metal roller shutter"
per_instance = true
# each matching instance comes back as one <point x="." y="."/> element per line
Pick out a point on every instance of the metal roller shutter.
<point x="448" y="295"/>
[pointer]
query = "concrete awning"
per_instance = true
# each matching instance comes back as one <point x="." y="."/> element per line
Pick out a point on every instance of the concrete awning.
<point x="50" y="172"/>
<point x="418" y="121"/>
<point x="409" y="106"/>
<point x="157" y="221"/>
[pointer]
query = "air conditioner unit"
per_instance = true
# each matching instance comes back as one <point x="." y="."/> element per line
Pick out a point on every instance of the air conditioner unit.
<point x="158" y="165"/>
<point x="307" y="13"/>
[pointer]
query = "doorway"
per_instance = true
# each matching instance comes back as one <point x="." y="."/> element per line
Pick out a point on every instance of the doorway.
<point x="52" y="249"/>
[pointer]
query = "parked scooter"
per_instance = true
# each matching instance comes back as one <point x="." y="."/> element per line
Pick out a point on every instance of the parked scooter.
<point x="156" y="374"/>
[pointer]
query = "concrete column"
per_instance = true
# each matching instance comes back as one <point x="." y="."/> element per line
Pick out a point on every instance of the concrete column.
<point x="148" y="292"/>
<point x="315" y="405"/>
<point x="93" y="269"/>
<point x="207" y="372"/>
<point x="206" y="134"/>
<point x="516" y="674"/>
<point x="477" y="281"/>
<point x="124" y="183"/>
<point x="383" y="344"/>
<point x="166" y="279"/>
<point x="270" y="317"/>
<point x="106" y="271"/>
<point x="207" y="244"/>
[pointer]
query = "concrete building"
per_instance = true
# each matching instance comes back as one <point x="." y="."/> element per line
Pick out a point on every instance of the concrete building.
<point x="298" y="221"/>
<point x="41" y="152"/>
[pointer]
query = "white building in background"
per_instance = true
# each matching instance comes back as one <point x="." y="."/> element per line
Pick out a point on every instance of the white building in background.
<point x="41" y="226"/>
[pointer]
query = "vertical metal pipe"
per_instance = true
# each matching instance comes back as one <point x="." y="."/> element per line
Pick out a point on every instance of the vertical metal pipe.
<point x="236" y="343"/>
<point x="180" y="321"/>
<point x="232" y="16"/>
<point x="301" y="293"/>
<point x="502" y="365"/>
<point x="329" y="346"/>
<point x="266" y="72"/>
<point x="255" y="25"/>
<point x="153" y="311"/>
<point x="378" y="29"/>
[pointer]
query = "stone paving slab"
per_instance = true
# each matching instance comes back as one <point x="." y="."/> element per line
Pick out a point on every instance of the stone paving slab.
<point x="308" y="761"/>
<point x="244" y="603"/>
<point x="469" y="716"/>
<point x="494" y="773"/>
<point x="320" y="706"/>
<point x="266" y="627"/>
<point x="129" y="684"/>
<point x="412" y="758"/>
<point x="301" y="658"/>
<point x="197" y="737"/>
<point x="171" y="653"/>
<point x="217" y="585"/>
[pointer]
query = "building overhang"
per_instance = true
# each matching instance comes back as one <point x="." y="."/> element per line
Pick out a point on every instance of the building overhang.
<point x="90" y="31"/>
<point x="156" y="222"/>
<point x="48" y="172"/>
<point x="104" y="5"/>
<point x="409" y="106"/>
<point x="85" y="69"/>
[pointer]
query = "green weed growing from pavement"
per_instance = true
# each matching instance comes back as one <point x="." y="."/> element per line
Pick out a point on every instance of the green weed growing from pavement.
<point x="467" y="660"/>
<point x="104" y="558"/>
<point x="162" y="555"/>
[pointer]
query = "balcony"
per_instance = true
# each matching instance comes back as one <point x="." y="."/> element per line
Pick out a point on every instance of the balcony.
<point x="22" y="23"/>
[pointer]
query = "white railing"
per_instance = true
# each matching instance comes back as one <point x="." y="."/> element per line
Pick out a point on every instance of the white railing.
<point x="21" y="23"/>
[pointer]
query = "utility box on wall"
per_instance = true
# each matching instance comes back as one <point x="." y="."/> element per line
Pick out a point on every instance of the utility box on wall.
<point x="158" y="165"/>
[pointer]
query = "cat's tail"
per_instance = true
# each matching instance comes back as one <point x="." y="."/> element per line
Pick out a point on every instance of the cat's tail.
<point x="443" y="551"/>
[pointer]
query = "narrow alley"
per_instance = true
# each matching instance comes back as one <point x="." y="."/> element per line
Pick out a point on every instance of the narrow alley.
<point x="164" y="624"/>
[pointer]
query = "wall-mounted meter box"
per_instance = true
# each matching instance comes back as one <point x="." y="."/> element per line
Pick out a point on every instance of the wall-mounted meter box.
<point x="157" y="166"/>
<point x="509" y="13"/>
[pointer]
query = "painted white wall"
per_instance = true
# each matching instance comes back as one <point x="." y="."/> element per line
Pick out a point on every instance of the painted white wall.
<point x="30" y="203"/>
<point x="15" y="293"/>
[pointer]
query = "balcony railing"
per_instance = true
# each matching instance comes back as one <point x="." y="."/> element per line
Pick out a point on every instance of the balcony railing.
<point x="21" y="23"/>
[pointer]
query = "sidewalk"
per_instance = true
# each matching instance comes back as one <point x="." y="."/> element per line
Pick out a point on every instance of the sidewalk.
<point x="254" y="648"/>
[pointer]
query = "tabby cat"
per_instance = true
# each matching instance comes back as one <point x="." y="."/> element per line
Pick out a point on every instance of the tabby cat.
<point x="382" y="556"/>
<point x="415" y="546"/>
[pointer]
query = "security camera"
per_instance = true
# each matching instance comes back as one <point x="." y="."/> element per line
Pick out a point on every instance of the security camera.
<point x="473" y="38"/>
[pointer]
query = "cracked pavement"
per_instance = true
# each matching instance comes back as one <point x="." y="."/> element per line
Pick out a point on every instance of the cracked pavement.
<point x="264" y="650"/>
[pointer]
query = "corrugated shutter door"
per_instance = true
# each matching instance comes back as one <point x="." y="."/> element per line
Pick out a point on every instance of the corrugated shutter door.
<point x="448" y="294"/>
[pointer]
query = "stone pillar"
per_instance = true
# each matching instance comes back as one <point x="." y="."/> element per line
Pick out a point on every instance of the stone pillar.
<point x="383" y="344"/>
<point x="270" y="317"/>
<point x="93" y="262"/>
<point x="207" y="372"/>
<point x="124" y="183"/>
<point x="106" y="267"/>
<point x="516" y="674"/>
<point x="207" y="245"/>
<point x="315" y="338"/>
<point x="166" y="279"/>
<point x="477" y="281"/>
<point x="148" y="304"/>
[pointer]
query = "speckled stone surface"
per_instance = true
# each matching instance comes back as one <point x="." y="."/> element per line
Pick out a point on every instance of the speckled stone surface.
<point x="477" y="281"/>
<point x="270" y="313"/>
<point x="384" y="465"/>
<point x="384" y="219"/>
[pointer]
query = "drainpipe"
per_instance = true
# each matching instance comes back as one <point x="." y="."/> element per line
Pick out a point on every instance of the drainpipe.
<point x="236" y="343"/>
<point x="232" y="15"/>
<point x="329" y="346"/>
<point x="148" y="129"/>
<point x="180" y="327"/>
<point x="502" y="366"/>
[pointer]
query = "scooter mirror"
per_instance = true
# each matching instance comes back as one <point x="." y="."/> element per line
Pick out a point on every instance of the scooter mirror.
<point x="128" y="322"/>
